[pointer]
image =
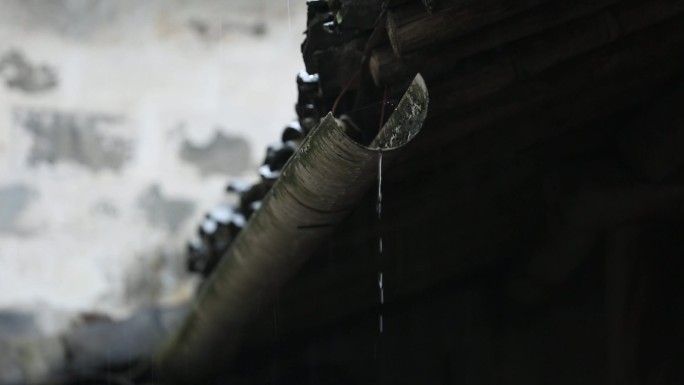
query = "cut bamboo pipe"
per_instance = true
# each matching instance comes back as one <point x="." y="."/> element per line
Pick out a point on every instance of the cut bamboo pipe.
<point x="320" y="185"/>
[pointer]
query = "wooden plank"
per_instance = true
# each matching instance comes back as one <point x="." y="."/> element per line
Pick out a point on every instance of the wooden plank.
<point x="621" y="318"/>
<point x="530" y="127"/>
<point x="651" y="143"/>
<point x="656" y="46"/>
<point x="431" y="62"/>
<point x="411" y="28"/>
<point x="484" y="75"/>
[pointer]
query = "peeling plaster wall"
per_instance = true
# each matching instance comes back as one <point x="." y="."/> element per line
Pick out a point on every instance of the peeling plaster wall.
<point x="120" y="124"/>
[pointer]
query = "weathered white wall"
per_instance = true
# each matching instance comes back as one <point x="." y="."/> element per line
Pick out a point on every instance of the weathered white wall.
<point x="120" y="124"/>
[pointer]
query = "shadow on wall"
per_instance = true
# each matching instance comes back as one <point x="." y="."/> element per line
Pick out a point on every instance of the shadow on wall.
<point x="20" y="74"/>
<point x="73" y="136"/>
<point x="13" y="200"/>
<point x="164" y="212"/>
<point x="226" y="155"/>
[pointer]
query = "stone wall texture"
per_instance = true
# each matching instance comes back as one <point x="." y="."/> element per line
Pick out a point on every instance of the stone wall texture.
<point x="120" y="124"/>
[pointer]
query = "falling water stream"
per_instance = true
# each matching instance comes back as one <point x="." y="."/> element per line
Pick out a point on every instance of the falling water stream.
<point x="381" y="291"/>
<point x="289" y="19"/>
<point x="381" y="283"/>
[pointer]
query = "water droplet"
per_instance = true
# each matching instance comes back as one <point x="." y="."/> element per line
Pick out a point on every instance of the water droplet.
<point x="379" y="207"/>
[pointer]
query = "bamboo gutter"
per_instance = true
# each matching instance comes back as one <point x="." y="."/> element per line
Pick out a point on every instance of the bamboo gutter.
<point x="322" y="182"/>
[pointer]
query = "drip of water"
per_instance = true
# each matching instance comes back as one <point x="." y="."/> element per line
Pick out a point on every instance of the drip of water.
<point x="382" y="292"/>
<point x="289" y="19"/>
<point x="379" y="204"/>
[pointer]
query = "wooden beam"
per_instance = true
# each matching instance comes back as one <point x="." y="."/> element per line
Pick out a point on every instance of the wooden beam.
<point x="658" y="46"/>
<point x="411" y="28"/>
<point x="386" y="66"/>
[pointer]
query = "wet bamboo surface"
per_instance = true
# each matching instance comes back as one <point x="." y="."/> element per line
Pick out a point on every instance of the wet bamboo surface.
<point x="318" y="187"/>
